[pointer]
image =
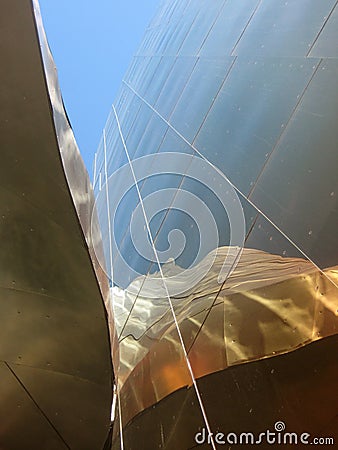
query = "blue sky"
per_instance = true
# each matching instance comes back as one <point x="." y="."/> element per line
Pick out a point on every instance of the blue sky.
<point x="92" y="44"/>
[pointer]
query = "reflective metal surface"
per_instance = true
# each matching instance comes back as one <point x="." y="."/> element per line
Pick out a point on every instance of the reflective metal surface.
<point x="268" y="306"/>
<point x="297" y="386"/>
<point x="250" y="89"/>
<point x="56" y="373"/>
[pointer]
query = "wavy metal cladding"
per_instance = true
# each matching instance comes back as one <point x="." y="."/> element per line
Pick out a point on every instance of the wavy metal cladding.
<point x="249" y="86"/>
<point x="55" y="365"/>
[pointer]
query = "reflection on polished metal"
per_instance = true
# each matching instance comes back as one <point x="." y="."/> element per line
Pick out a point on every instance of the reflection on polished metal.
<point x="249" y="87"/>
<point x="56" y="376"/>
<point x="259" y="281"/>
<point x="268" y="306"/>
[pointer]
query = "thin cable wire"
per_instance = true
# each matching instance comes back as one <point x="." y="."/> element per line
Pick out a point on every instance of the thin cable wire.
<point x="108" y="209"/>
<point x="165" y="287"/>
<point x="111" y="300"/>
<point x="227" y="179"/>
<point x="120" y="418"/>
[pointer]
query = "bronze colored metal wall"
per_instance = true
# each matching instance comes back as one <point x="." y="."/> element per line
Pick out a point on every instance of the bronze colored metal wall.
<point x="56" y="374"/>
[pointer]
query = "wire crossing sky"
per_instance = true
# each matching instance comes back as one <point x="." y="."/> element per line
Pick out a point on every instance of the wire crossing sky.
<point x="92" y="44"/>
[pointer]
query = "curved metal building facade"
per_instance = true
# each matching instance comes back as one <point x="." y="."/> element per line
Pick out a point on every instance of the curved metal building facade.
<point x="55" y="364"/>
<point x="249" y="89"/>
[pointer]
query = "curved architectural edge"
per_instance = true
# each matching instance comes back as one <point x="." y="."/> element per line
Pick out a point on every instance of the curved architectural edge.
<point x="55" y="358"/>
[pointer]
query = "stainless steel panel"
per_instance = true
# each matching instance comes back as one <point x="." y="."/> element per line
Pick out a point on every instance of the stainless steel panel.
<point x="128" y="113"/>
<point x="198" y="95"/>
<point x="152" y="137"/>
<point x="283" y="28"/>
<point x="116" y="156"/>
<point x="138" y="128"/>
<point x="298" y="187"/>
<point x="202" y="25"/>
<point x="250" y="113"/>
<point x="326" y="45"/>
<point x="179" y="29"/>
<point x="173" y="86"/>
<point x="128" y="263"/>
<point x="260" y="346"/>
<point x="144" y="76"/>
<point x="228" y="28"/>
<point x="161" y="73"/>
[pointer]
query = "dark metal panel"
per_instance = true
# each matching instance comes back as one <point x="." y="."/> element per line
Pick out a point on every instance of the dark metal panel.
<point x="23" y="424"/>
<point x="51" y="304"/>
<point x="48" y="333"/>
<point x="83" y="398"/>
<point x="30" y="241"/>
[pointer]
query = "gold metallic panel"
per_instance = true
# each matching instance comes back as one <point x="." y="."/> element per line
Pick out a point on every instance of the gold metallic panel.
<point x="249" y="397"/>
<point x="269" y="306"/>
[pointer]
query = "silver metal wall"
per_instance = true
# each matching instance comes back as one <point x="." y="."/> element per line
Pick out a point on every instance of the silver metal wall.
<point x="249" y="88"/>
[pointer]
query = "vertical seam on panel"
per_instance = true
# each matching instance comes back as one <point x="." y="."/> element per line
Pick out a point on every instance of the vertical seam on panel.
<point x="120" y="420"/>
<point x="108" y="213"/>
<point x="94" y="170"/>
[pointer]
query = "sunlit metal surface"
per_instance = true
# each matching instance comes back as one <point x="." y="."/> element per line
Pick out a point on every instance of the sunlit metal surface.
<point x="297" y="387"/>
<point x="56" y="375"/>
<point x="250" y="88"/>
